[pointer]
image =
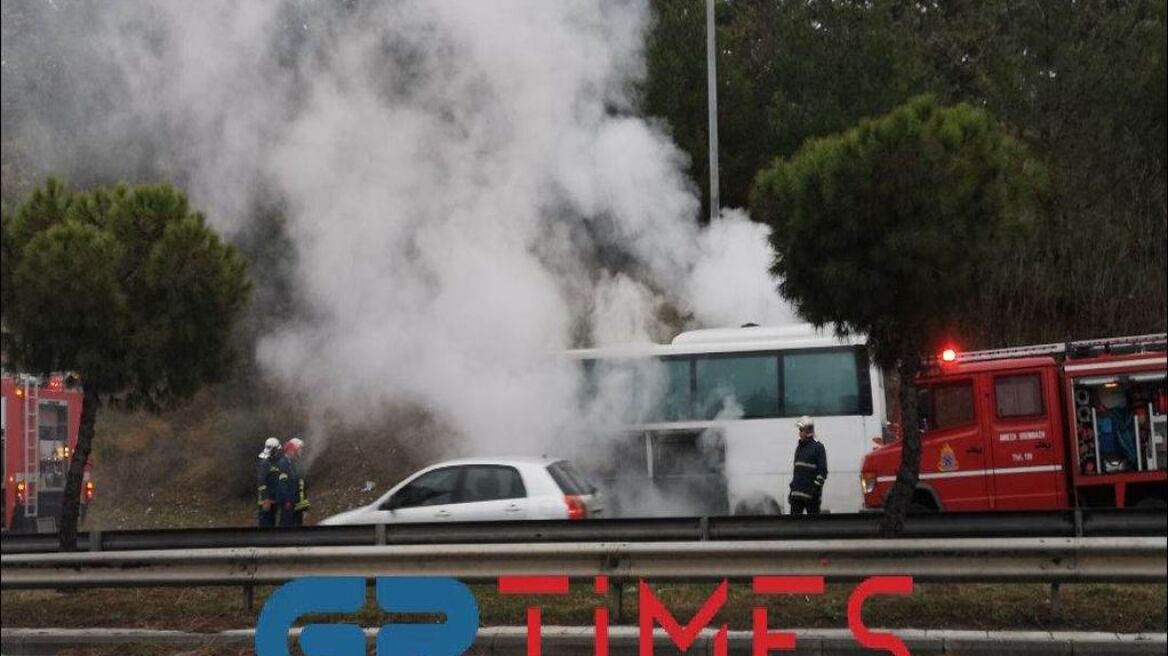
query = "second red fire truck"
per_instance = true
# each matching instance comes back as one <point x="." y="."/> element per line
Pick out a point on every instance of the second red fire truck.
<point x="39" y="417"/>
<point x="1081" y="424"/>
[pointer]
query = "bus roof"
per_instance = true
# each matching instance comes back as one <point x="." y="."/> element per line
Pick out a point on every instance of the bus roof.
<point x="728" y="340"/>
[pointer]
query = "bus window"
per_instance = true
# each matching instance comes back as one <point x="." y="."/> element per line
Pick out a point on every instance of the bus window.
<point x="751" y="381"/>
<point x="823" y="383"/>
<point x="676" y="404"/>
<point x="640" y="390"/>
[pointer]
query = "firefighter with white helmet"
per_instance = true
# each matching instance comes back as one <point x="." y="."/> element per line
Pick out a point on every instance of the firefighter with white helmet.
<point x="810" y="471"/>
<point x="267" y="477"/>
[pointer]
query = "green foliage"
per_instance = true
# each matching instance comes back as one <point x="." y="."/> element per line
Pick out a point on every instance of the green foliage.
<point x="890" y="229"/>
<point x="128" y="286"/>
<point x="675" y="50"/>
<point x="1081" y="84"/>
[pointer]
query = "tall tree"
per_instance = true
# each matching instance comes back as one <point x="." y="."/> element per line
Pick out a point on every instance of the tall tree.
<point x="675" y="89"/>
<point x="786" y="71"/>
<point x="1082" y="84"/>
<point x="890" y="228"/>
<point x="129" y="288"/>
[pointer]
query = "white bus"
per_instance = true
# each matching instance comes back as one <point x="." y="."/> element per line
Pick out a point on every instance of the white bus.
<point x="706" y="424"/>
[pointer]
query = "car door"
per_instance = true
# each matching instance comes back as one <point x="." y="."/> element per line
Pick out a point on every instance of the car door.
<point x="953" y="458"/>
<point x="1026" y="452"/>
<point x="492" y="493"/>
<point x="431" y="497"/>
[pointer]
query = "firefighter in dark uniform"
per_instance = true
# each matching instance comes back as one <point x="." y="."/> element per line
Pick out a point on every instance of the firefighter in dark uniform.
<point x="293" y="496"/>
<point x="300" y="504"/>
<point x="810" y="470"/>
<point x="267" y="477"/>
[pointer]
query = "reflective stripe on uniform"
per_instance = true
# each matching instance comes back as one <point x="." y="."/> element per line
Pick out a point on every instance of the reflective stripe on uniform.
<point x="302" y="501"/>
<point x="806" y="464"/>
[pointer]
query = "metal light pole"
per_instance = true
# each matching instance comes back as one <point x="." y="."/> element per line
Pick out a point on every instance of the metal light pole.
<point x="712" y="93"/>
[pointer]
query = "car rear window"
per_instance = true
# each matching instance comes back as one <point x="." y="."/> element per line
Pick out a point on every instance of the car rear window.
<point x="570" y="480"/>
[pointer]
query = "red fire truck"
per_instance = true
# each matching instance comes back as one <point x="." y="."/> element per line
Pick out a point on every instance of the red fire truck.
<point x="1080" y="424"/>
<point x="39" y="417"/>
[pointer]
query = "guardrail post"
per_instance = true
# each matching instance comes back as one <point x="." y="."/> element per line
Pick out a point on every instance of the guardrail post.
<point x="95" y="540"/>
<point x="1055" y="601"/>
<point x="248" y="597"/>
<point x="381" y="535"/>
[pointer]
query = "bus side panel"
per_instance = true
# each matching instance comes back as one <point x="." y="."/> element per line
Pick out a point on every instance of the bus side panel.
<point x="760" y="457"/>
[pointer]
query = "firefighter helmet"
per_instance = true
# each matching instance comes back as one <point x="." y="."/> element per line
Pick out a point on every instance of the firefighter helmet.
<point x="271" y="445"/>
<point x="292" y="447"/>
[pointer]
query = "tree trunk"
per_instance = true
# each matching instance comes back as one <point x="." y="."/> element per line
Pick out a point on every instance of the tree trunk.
<point x="71" y="504"/>
<point x="900" y="497"/>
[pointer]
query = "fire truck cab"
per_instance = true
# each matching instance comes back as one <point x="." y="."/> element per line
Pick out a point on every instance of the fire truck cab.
<point x="1054" y="426"/>
<point x="39" y="418"/>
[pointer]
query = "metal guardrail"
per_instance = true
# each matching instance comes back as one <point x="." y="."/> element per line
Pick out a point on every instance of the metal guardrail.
<point x="1016" y="560"/>
<point x="1086" y="523"/>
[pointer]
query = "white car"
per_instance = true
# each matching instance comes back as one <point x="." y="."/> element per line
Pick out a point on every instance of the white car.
<point x="483" y="489"/>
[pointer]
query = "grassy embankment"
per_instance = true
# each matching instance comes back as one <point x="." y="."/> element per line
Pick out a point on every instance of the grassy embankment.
<point x="194" y="467"/>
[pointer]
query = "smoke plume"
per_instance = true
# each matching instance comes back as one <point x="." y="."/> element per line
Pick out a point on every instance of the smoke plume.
<point x="467" y="186"/>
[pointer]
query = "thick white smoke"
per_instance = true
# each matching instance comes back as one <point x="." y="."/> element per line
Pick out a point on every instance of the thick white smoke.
<point x="466" y="185"/>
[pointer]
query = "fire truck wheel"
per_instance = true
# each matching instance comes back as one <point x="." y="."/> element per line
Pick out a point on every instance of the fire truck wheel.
<point x="1153" y="503"/>
<point x="918" y="509"/>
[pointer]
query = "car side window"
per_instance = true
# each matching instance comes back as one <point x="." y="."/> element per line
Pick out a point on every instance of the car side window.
<point x="491" y="482"/>
<point x="430" y="489"/>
